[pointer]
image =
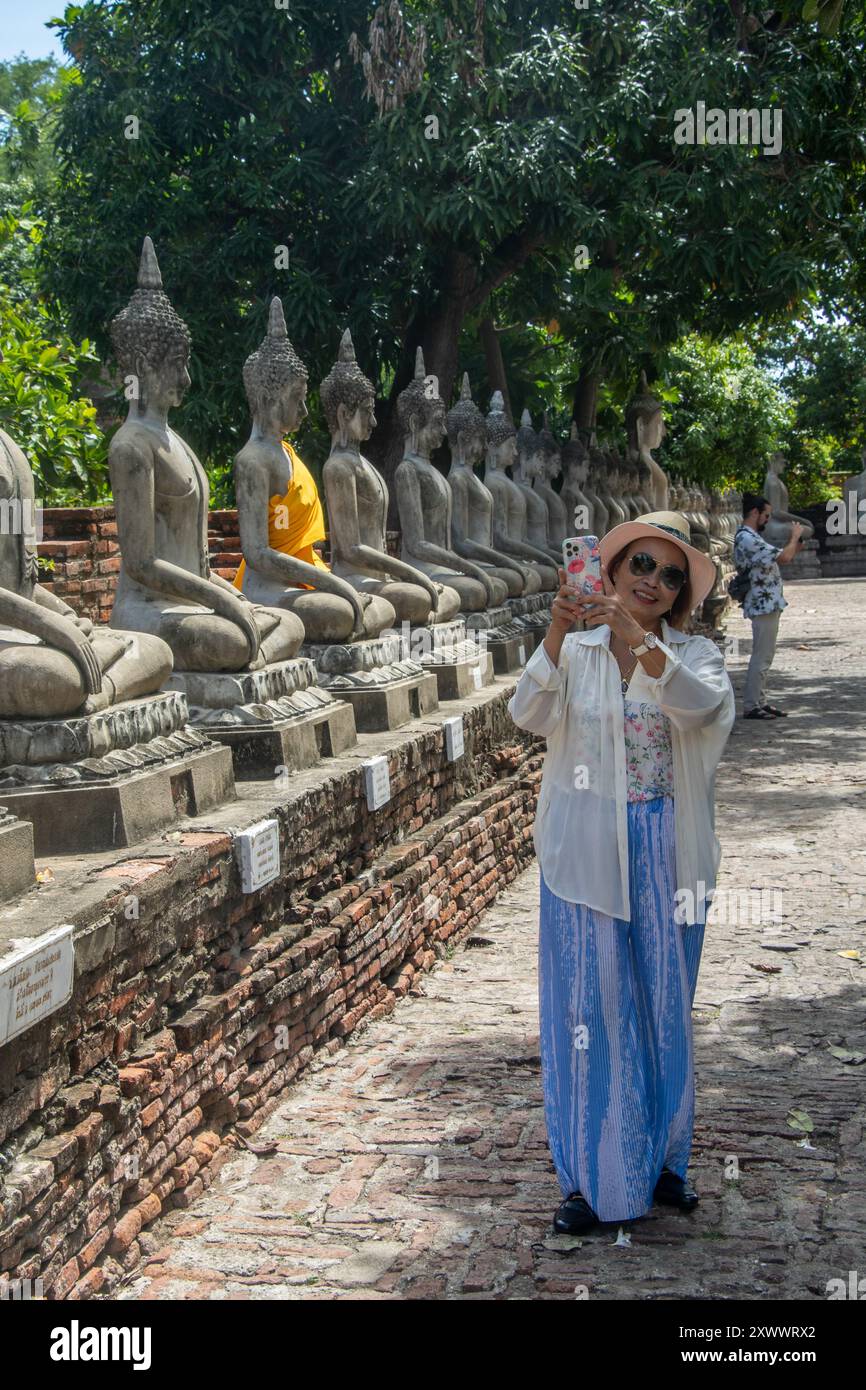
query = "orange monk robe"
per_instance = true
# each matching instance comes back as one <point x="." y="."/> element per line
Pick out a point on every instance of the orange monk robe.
<point x="296" y="520"/>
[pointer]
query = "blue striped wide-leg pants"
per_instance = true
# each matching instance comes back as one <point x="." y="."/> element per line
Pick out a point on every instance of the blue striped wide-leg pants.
<point x="615" y="1004"/>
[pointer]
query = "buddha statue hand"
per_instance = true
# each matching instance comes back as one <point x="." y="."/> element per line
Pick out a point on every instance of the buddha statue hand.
<point x="237" y="609"/>
<point x="489" y="589"/>
<point x="359" y="602"/>
<point x="65" y="637"/>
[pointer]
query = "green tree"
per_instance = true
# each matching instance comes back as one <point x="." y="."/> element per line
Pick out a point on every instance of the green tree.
<point x="41" y="368"/>
<point x="822" y="367"/>
<point x="432" y="168"/>
<point x="726" y="415"/>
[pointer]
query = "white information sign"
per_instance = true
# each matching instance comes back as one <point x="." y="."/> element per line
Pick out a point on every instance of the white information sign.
<point x="377" y="781"/>
<point x="476" y="675"/>
<point x="453" y="736"/>
<point x="35" y="980"/>
<point x="258" y="851"/>
<point x="521" y="654"/>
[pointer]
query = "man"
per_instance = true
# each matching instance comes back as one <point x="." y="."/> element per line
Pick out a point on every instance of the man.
<point x="764" y="601"/>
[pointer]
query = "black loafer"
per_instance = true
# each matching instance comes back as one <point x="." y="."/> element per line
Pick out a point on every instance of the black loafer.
<point x="673" y="1191"/>
<point x="574" y="1216"/>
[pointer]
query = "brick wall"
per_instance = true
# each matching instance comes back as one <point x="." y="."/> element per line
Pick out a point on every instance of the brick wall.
<point x="82" y="544"/>
<point x="192" y="1014"/>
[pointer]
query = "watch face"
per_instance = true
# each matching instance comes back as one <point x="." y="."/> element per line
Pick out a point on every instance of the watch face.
<point x="650" y="639"/>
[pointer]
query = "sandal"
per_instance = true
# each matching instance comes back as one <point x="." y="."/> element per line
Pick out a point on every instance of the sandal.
<point x="775" y="711"/>
<point x="759" y="712"/>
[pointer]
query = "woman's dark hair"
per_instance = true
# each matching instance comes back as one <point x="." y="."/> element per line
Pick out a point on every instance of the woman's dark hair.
<point x="682" y="604"/>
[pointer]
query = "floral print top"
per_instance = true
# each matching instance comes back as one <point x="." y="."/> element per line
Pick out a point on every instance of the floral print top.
<point x="649" y="763"/>
<point x="753" y="553"/>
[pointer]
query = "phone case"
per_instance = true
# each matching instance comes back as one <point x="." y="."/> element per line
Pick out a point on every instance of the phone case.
<point x="582" y="564"/>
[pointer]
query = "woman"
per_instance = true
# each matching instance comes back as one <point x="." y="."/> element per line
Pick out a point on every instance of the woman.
<point x="636" y="714"/>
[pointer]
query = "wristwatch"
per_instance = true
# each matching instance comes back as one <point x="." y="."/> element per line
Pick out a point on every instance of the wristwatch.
<point x="649" y="642"/>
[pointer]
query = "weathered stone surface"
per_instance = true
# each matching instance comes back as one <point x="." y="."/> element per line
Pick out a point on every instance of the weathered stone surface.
<point x="108" y="809"/>
<point x="17" y="872"/>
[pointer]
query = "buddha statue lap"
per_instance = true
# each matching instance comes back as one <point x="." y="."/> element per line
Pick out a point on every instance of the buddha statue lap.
<point x="279" y="510"/>
<point x="357" y="499"/>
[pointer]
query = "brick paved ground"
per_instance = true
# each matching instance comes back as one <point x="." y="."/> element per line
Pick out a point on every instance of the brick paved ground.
<point x="413" y="1164"/>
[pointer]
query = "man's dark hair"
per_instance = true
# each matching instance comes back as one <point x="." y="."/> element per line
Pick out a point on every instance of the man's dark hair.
<point x="752" y="500"/>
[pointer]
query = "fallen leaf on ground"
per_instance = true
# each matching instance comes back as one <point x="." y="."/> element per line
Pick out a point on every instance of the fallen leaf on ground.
<point x="800" y="1119"/>
<point x="842" y="1053"/>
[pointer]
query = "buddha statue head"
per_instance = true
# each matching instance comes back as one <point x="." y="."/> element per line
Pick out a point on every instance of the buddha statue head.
<point x="421" y="411"/>
<point x="151" y="343"/>
<point x="644" y="420"/>
<point x="467" y="429"/>
<point x="575" y="459"/>
<point x="348" y="399"/>
<point x="501" y="435"/>
<point x="778" y="464"/>
<point x="528" y="450"/>
<point x="549" y="452"/>
<point x="275" y="379"/>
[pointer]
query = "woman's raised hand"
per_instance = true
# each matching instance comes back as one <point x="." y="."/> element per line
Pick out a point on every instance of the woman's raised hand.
<point x="565" y="609"/>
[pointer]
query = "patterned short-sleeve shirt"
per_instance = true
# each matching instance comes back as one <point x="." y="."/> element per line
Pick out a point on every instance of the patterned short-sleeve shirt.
<point x="753" y="553"/>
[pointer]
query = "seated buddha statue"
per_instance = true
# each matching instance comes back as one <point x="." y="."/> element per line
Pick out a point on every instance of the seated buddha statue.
<point x="357" y="498"/>
<point x="579" y="504"/>
<point x="161" y="495"/>
<point x="550" y="457"/>
<point x="424" y="501"/>
<point x="472" y="503"/>
<point x="525" y="472"/>
<point x="645" y="427"/>
<point x="605" y="483"/>
<point x="509" y="500"/>
<point x="601" y="520"/>
<point x="54" y="664"/>
<point x="279" y="510"/>
<point x="778" y="529"/>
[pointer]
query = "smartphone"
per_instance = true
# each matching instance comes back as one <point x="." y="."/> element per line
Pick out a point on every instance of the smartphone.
<point x="582" y="564"/>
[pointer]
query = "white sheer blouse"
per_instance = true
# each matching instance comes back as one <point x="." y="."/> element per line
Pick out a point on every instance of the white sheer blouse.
<point x="581" y="830"/>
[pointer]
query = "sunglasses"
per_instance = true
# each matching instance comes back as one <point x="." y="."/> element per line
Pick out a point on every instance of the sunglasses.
<point x="643" y="563"/>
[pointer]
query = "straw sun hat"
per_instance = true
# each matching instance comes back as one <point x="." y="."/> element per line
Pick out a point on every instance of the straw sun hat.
<point x="669" y="526"/>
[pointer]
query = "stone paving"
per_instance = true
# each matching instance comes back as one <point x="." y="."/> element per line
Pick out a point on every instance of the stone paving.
<point x="412" y="1164"/>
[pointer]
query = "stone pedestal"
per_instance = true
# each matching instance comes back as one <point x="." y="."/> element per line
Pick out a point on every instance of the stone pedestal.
<point x="506" y="639"/>
<point x="17" y="872"/>
<point x="273" y="719"/>
<point x="843" y="557"/>
<point x="805" y="564"/>
<point x="108" y="780"/>
<point x="378" y="678"/>
<point x="531" y="617"/>
<point x="460" y="661"/>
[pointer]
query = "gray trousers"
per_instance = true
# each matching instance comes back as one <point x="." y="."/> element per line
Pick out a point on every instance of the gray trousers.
<point x="765" y="629"/>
